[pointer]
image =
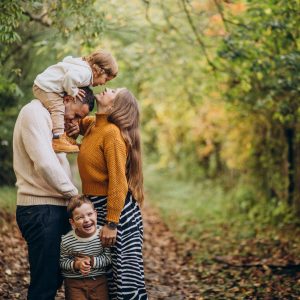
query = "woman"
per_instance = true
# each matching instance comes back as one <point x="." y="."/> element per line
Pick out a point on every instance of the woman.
<point x="110" y="168"/>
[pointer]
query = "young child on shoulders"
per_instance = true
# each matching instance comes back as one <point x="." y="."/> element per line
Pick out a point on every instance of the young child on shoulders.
<point x="83" y="260"/>
<point x="68" y="76"/>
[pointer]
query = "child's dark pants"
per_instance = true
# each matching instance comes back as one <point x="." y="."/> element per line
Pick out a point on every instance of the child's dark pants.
<point x="86" y="288"/>
<point x="42" y="227"/>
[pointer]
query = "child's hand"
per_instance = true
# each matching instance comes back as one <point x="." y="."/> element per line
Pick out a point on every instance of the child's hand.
<point x="80" y="95"/>
<point x="83" y="264"/>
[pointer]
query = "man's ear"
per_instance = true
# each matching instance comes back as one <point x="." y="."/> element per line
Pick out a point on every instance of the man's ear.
<point x="68" y="98"/>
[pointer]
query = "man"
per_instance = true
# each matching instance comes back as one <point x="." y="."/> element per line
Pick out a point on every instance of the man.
<point x="44" y="187"/>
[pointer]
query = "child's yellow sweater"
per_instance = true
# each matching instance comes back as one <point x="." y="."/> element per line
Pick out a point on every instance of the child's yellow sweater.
<point x="102" y="163"/>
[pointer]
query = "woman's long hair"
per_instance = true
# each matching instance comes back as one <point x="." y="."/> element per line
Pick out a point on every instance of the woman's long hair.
<point x="126" y="115"/>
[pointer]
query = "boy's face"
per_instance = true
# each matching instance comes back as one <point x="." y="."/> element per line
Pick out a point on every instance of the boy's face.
<point x="84" y="220"/>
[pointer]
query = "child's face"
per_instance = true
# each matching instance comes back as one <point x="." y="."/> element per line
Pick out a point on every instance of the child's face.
<point x="84" y="220"/>
<point x="101" y="79"/>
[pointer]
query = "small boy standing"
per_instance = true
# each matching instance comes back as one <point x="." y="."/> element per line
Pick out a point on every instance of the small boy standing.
<point x="82" y="257"/>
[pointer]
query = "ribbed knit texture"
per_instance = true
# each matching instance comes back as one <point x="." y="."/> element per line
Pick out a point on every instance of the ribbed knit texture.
<point x="42" y="176"/>
<point x="72" y="245"/>
<point x="102" y="163"/>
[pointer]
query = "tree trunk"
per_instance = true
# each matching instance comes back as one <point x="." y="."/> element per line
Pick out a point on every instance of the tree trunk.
<point x="296" y="194"/>
<point x="293" y="141"/>
<point x="290" y="137"/>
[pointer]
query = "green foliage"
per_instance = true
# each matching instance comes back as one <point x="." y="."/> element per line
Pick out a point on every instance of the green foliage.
<point x="191" y="209"/>
<point x="8" y="198"/>
<point x="263" y="61"/>
<point x="7" y="121"/>
<point x="11" y="14"/>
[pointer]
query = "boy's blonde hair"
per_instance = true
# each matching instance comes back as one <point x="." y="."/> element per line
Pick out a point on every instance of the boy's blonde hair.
<point x="76" y="202"/>
<point x="102" y="60"/>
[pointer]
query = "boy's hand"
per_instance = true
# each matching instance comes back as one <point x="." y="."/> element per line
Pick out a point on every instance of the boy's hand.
<point x="80" y="95"/>
<point x="83" y="264"/>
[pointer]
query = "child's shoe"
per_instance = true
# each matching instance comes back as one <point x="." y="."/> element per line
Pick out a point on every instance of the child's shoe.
<point x="64" y="143"/>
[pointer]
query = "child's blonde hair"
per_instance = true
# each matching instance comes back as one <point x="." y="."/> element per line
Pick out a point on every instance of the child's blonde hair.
<point x="103" y="61"/>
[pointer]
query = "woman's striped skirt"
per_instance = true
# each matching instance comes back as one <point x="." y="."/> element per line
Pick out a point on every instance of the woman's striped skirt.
<point x="126" y="279"/>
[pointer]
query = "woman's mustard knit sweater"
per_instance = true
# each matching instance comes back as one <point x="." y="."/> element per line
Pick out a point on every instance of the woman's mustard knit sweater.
<point x="102" y="163"/>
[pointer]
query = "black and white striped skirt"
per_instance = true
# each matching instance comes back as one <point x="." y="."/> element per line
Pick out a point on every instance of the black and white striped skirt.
<point x="126" y="279"/>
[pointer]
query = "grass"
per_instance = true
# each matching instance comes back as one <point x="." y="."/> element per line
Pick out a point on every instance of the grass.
<point x="8" y="198"/>
<point x="205" y="212"/>
<point x="185" y="203"/>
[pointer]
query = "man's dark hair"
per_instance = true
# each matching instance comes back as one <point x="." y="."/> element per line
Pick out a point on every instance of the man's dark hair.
<point x="89" y="97"/>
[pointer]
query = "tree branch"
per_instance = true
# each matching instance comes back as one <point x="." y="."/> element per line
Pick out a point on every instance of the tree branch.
<point x="42" y="19"/>
<point x="197" y="36"/>
<point x="220" y="10"/>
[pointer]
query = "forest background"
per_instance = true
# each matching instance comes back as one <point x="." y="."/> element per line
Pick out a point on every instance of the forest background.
<point x="218" y="83"/>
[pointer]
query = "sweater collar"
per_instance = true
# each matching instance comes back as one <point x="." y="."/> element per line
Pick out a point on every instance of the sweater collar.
<point x="101" y="119"/>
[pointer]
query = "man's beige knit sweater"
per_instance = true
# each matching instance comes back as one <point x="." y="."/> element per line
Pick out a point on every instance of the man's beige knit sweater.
<point x="43" y="177"/>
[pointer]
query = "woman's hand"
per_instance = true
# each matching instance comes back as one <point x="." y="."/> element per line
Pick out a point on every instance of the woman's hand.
<point x="108" y="236"/>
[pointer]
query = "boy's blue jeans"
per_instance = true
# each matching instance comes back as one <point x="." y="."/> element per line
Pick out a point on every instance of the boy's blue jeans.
<point x="42" y="227"/>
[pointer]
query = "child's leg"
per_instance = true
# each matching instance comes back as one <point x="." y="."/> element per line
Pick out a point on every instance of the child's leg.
<point x="75" y="289"/>
<point x="98" y="289"/>
<point x="55" y="105"/>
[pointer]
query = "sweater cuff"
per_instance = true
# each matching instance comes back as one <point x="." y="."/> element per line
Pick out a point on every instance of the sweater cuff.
<point x="115" y="205"/>
<point x="70" y="194"/>
<point x="113" y="215"/>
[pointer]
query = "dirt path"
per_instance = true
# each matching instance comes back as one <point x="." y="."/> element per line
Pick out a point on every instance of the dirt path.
<point x="169" y="271"/>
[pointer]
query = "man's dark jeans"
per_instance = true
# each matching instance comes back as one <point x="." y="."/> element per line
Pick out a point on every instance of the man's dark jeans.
<point x="42" y="227"/>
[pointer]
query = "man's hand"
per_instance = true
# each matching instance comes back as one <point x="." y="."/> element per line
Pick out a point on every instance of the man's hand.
<point x="72" y="130"/>
<point x="108" y="236"/>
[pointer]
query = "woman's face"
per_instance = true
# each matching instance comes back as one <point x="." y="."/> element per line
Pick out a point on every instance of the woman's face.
<point x="106" y="98"/>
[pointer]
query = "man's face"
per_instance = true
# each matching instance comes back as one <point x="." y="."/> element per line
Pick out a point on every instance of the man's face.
<point x="74" y="111"/>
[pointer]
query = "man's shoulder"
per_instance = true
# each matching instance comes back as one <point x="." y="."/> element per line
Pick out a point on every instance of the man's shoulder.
<point x="34" y="110"/>
<point x="36" y="104"/>
<point x="32" y="107"/>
